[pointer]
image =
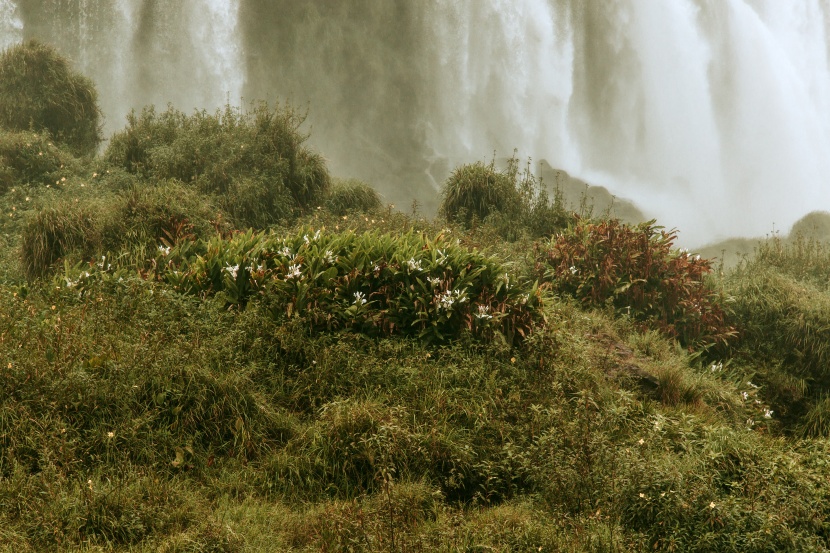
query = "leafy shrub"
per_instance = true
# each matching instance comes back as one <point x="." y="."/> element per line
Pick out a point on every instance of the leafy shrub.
<point x="40" y="92"/>
<point x="250" y="159"/>
<point x="782" y="310"/>
<point x="54" y="232"/>
<point x="28" y="157"/>
<point x="637" y="271"/>
<point x="476" y="190"/>
<point x="380" y="284"/>
<point x="351" y="195"/>
<point x="512" y="201"/>
<point x="129" y="222"/>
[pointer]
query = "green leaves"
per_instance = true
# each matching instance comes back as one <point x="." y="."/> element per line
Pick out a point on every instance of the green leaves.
<point x="378" y="284"/>
<point x="637" y="271"/>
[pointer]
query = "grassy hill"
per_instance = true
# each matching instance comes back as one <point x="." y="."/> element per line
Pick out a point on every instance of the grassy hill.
<point x="207" y="343"/>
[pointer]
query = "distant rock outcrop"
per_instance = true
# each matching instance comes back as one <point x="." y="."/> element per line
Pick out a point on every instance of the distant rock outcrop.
<point x="577" y="192"/>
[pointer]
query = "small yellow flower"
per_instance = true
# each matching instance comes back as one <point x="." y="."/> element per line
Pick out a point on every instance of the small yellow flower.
<point x="641" y="441"/>
<point x="110" y="434"/>
<point x="54" y="307"/>
<point x="642" y="495"/>
<point x="712" y="505"/>
<point x="10" y="365"/>
<point x="512" y="359"/>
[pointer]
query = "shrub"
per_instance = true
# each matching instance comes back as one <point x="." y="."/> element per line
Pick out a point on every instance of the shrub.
<point x="40" y="92"/>
<point x="379" y="284"/>
<point x="637" y="271"/>
<point x="255" y="161"/>
<point x="28" y="157"/>
<point x="782" y="310"/>
<point x="512" y="201"/>
<point x="55" y="231"/>
<point x="476" y="190"/>
<point x="352" y="195"/>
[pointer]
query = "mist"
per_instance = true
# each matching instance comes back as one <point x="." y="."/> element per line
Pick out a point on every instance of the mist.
<point x="712" y="116"/>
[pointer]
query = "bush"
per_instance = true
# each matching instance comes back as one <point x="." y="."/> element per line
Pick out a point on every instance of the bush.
<point x="378" y="284"/>
<point x="637" y="271"/>
<point x="28" y="157"/>
<point x="352" y="195"/>
<point x="256" y="162"/>
<point x="476" y="190"/>
<point x="40" y="92"/>
<point x="782" y="310"/>
<point x="54" y="232"/>
<point x="512" y="201"/>
<point x="116" y="215"/>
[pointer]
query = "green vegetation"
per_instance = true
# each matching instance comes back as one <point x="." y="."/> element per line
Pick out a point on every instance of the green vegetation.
<point x="254" y="163"/>
<point x="351" y="196"/>
<point x="39" y="92"/>
<point x="203" y="347"/>
<point x="513" y="202"/>
<point x="637" y="271"/>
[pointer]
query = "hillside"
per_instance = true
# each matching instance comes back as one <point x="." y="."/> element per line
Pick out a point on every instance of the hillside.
<point x="209" y="343"/>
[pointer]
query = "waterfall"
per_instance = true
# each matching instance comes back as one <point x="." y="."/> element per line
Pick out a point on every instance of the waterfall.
<point x="11" y="27"/>
<point x="142" y="52"/>
<point x="712" y="115"/>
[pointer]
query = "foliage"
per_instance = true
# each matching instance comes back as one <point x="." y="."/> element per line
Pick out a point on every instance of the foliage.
<point x="352" y="195"/>
<point x="54" y="232"/>
<point x="28" y="157"/>
<point x="513" y="201"/>
<point x="39" y="92"/>
<point x="637" y="271"/>
<point x="782" y="310"/>
<point x="117" y="215"/>
<point x="255" y="163"/>
<point x="378" y="284"/>
<point x="476" y="190"/>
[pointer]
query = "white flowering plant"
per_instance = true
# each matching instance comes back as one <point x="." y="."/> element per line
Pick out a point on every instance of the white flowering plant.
<point x="379" y="284"/>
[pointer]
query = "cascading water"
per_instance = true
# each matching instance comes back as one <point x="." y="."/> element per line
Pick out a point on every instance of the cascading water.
<point x="142" y="52"/>
<point x="712" y="115"/>
<point x="11" y="27"/>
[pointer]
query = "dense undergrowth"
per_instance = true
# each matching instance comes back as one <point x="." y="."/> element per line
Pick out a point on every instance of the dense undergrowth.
<point x="204" y="347"/>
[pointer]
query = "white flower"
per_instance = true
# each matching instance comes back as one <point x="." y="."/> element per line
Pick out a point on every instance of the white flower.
<point x="716" y="367"/>
<point x="435" y="281"/>
<point x="442" y="257"/>
<point x="293" y="272"/>
<point x="573" y="270"/>
<point x="446" y="300"/>
<point x="484" y="313"/>
<point x="285" y="252"/>
<point x="359" y="298"/>
<point x="232" y="269"/>
<point x="330" y="257"/>
<point x="414" y="265"/>
<point x="260" y="267"/>
<point x="697" y="258"/>
<point x="768" y="413"/>
<point x="745" y="395"/>
<point x="165" y="250"/>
